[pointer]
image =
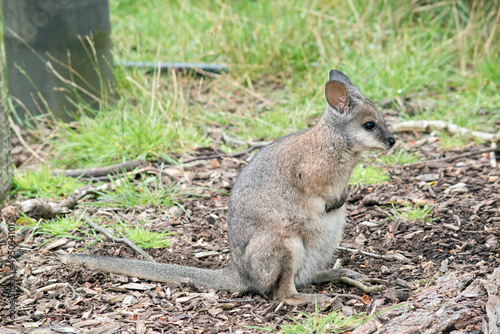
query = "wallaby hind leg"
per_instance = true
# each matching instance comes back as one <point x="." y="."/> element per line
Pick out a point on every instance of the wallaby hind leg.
<point x="346" y="276"/>
<point x="286" y="291"/>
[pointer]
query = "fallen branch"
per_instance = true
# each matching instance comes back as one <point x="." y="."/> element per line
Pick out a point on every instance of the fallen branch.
<point x="241" y="301"/>
<point x="377" y="256"/>
<point x="123" y="240"/>
<point x="448" y="159"/>
<point x="4" y="229"/>
<point x="228" y="139"/>
<point x="429" y="126"/>
<point x="493" y="158"/>
<point x="103" y="171"/>
<point x="227" y="155"/>
<point x="52" y="287"/>
<point x="365" y="288"/>
<point x="42" y="208"/>
<point x="109" y="177"/>
<point x="345" y="295"/>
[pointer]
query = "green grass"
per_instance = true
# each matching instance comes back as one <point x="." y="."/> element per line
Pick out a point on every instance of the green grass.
<point x="368" y="175"/>
<point x="412" y="213"/>
<point x="334" y="322"/>
<point x="146" y="192"/>
<point x="146" y="239"/>
<point x="399" y="157"/>
<point x="140" y="235"/>
<point x="60" y="227"/>
<point x="278" y="53"/>
<point x="151" y="127"/>
<point x="455" y="141"/>
<point x="42" y="184"/>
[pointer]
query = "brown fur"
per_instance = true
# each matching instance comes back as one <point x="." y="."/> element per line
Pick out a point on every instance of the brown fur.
<point x="286" y="212"/>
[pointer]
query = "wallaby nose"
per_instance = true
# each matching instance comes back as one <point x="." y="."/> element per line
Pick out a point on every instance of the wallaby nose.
<point x="392" y="141"/>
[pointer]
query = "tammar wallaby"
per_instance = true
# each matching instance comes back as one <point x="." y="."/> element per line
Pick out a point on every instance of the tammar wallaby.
<point x="286" y="211"/>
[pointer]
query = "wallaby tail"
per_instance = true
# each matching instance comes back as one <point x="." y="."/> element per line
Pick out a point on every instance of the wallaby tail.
<point x="220" y="279"/>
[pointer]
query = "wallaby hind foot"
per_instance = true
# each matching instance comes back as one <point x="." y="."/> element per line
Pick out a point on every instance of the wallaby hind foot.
<point x="346" y="276"/>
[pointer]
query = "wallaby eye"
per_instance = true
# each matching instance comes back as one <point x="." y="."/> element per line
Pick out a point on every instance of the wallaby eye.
<point x="369" y="125"/>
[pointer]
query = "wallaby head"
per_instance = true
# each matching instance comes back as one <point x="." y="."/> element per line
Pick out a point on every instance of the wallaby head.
<point x="361" y="124"/>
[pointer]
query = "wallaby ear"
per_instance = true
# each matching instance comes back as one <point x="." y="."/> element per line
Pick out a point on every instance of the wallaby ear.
<point x="335" y="75"/>
<point x="336" y="96"/>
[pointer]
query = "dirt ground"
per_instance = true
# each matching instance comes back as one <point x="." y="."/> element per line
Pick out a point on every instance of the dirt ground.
<point x="408" y="257"/>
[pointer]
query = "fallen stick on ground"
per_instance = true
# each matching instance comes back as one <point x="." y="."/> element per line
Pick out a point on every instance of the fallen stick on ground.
<point x="377" y="256"/>
<point x="493" y="158"/>
<point x="109" y="177"/>
<point x="448" y="159"/>
<point x="430" y="126"/>
<point x="365" y="288"/>
<point x="123" y="240"/>
<point x="103" y="171"/>
<point x="224" y="155"/>
<point x="46" y="209"/>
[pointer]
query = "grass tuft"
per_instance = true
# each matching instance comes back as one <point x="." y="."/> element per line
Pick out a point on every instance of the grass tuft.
<point x="368" y="175"/>
<point x="60" y="227"/>
<point x="399" y="157"/>
<point x="42" y="184"/>
<point x="144" y="238"/>
<point x="148" y="191"/>
<point x="412" y="213"/>
<point x="444" y="51"/>
<point x="147" y="124"/>
<point x="455" y="141"/>
<point x="334" y="322"/>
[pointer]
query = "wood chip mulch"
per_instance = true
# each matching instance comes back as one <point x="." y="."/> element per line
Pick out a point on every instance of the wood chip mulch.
<point x="442" y="268"/>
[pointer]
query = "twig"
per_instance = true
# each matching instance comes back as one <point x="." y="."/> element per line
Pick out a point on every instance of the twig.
<point x="241" y="301"/>
<point x="42" y="208"/>
<point x="223" y="155"/>
<point x="345" y="295"/>
<point x="429" y="126"/>
<point x="493" y="158"/>
<point x="109" y="177"/>
<point x="52" y="287"/>
<point x="3" y="228"/>
<point x="377" y="256"/>
<point x="448" y="159"/>
<point x="73" y="296"/>
<point x="17" y="131"/>
<point x="228" y="139"/>
<point x="365" y="288"/>
<point x="103" y="171"/>
<point x="123" y="240"/>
